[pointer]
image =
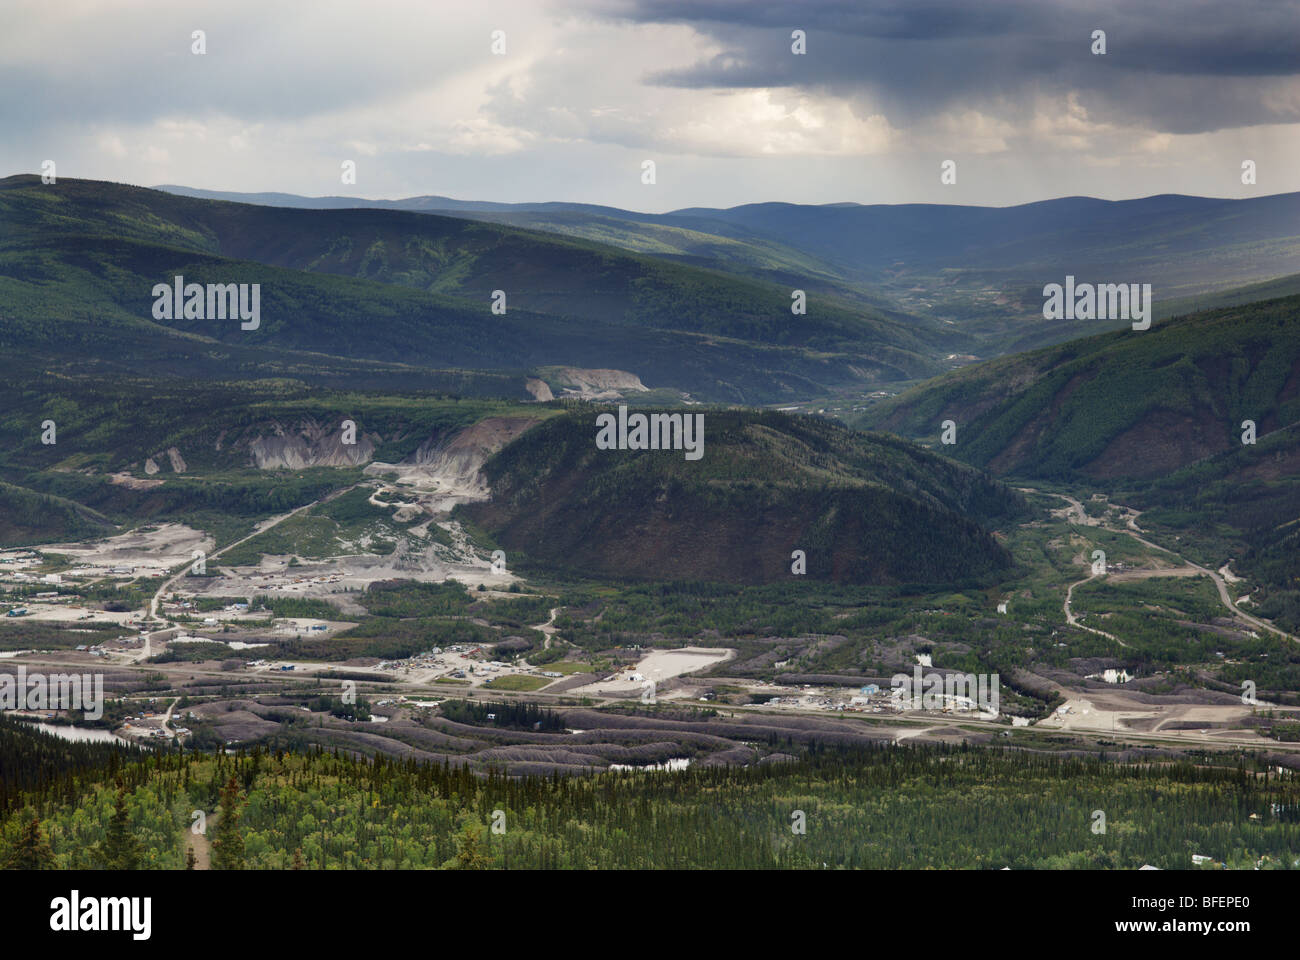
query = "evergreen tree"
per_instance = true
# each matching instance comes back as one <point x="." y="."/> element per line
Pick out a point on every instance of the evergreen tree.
<point x="31" y="851"/>
<point x="227" y="841"/>
<point x="469" y="852"/>
<point x="120" y="850"/>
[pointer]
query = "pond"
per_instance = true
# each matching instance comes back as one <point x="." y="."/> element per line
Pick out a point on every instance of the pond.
<point x="80" y="734"/>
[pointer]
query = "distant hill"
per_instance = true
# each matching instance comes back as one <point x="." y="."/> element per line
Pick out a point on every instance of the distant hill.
<point x="713" y="244"/>
<point x="1287" y="286"/>
<point x="78" y="261"/>
<point x="982" y="268"/>
<point x="863" y="508"/>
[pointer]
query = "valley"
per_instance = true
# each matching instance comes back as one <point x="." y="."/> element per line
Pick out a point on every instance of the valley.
<point x="286" y="609"/>
<point x="387" y="528"/>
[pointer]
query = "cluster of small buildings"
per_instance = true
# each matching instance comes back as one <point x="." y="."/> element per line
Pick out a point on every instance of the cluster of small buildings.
<point x="461" y="662"/>
<point x="12" y="562"/>
<point x="491" y="667"/>
<point x="46" y="597"/>
<point x="292" y="627"/>
<point x="51" y="578"/>
<point x="870" y="698"/>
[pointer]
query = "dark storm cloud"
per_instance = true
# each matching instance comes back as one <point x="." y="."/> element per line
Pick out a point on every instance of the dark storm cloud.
<point x="1175" y="66"/>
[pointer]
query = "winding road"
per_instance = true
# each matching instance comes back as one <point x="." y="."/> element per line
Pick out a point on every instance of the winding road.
<point x="548" y="628"/>
<point x="1077" y="515"/>
<point x="1073" y="621"/>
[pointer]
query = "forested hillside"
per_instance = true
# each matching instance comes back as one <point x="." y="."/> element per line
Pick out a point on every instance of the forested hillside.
<point x="1158" y="418"/>
<point x="883" y="808"/>
<point x="79" y="259"/>
<point x="1127" y="404"/>
<point x="863" y="508"/>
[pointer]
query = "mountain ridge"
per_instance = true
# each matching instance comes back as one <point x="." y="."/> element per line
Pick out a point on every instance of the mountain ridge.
<point x="80" y="258"/>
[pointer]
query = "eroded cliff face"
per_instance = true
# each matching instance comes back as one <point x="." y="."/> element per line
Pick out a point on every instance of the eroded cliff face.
<point x="594" y="384"/>
<point x="449" y="466"/>
<point x="445" y="466"/>
<point x="306" y="443"/>
<point x="170" y="457"/>
<point x="538" y="390"/>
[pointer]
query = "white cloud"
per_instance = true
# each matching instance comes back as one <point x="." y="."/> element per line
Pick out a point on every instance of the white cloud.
<point x="282" y="97"/>
<point x="111" y="144"/>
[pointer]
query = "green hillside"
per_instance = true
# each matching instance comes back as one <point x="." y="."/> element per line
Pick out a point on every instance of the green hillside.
<point x="864" y="509"/>
<point x="715" y="246"/>
<point x="981" y="270"/>
<point x="87" y="302"/>
<point x="78" y="262"/>
<point x="1124" y="404"/>
<point x="1288" y="286"/>
<point x="28" y="517"/>
<point x="1154" y="418"/>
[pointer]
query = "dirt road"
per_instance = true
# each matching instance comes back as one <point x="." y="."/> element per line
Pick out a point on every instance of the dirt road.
<point x="198" y="842"/>
<point x="1073" y="621"/>
<point x="257" y="532"/>
<point x="548" y="628"/>
<point x="167" y="718"/>
<point x="1224" y="596"/>
<point x="1077" y="515"/>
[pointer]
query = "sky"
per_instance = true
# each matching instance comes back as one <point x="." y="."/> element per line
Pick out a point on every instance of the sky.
<point x="585" y="91"/>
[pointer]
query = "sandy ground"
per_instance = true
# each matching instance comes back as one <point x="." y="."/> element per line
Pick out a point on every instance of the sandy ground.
<point x="438" y="476"/>
<point x="152" y="551"/>
<point x="1103" y="711"/>
<point x="64" y="612"/>
<point x="1148" y="573"/>
<point x="232" y="644"/>
<point x="339" y="576"/>
<point x="343" y="575"/>
<point x="658" y="666"/>
<point x="1081" y="714"/>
